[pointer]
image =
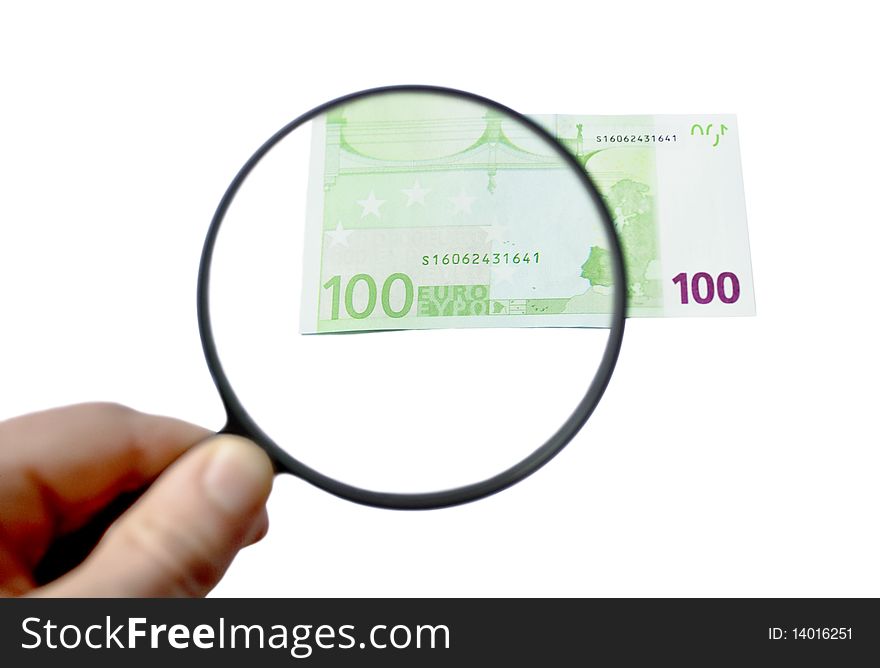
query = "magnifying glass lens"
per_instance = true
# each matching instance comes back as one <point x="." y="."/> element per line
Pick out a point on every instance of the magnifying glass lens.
<point x="411" y="291"/>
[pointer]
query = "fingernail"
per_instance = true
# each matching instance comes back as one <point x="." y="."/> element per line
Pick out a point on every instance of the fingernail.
<point x="259" y="528"/>
<point x="239" y="476"/>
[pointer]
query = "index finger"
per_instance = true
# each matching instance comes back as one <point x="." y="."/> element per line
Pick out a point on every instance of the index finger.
<point x="58" y="467"/>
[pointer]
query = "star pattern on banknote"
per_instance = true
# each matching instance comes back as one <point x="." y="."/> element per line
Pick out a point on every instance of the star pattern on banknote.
<point x="461" y="203"/>
<point x="370" y="205"/>
<point x="339" y="236"/>
<point x="416" y="194"/>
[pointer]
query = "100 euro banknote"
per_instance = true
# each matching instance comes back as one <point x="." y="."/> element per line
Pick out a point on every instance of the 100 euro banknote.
<point x="494" y="231"/>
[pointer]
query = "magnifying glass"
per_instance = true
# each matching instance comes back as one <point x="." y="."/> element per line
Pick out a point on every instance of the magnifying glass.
<point x="411" y="297"/>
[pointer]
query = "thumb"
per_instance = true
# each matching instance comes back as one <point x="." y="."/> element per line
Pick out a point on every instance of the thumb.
<point x="181" y="536"/>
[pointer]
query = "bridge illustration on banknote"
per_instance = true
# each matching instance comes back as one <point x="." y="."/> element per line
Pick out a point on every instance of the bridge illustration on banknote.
<point x="492" y="151"/>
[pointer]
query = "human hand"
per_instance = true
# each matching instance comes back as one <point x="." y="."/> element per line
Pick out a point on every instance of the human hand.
<point x="58" y="468"/>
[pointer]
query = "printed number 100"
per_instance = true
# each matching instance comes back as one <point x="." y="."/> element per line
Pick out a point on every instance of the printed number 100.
<point x="703" y="287"/>
<point x="335" y="286"/>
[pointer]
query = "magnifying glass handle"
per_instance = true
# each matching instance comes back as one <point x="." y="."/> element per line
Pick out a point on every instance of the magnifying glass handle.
<point x="70" y="550"/>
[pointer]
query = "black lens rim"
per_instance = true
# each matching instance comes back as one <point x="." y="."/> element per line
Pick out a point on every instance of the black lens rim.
<point x="240" y="422"/>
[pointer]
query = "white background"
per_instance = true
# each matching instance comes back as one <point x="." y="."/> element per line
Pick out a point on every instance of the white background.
<point x="728" y="457"/>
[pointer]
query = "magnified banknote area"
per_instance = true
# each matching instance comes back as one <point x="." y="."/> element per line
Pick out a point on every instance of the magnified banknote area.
<point x="412" y="291"/>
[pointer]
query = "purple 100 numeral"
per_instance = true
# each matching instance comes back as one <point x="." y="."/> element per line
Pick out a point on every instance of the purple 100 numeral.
<point x="704" y="288"/>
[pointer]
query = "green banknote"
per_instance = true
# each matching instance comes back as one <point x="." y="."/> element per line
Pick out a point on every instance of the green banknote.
<point x="466" y="218"/>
